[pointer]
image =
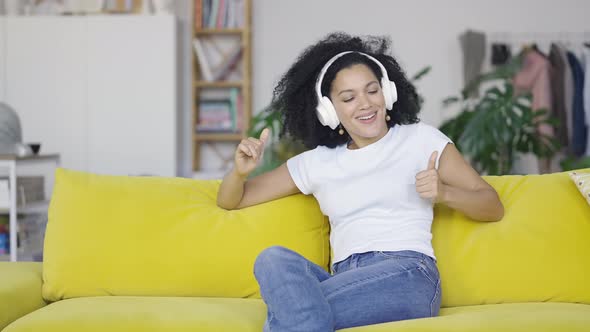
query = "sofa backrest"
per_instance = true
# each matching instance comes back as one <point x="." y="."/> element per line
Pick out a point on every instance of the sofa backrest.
<point x="116" y="235"/>
<point x="539" y="251"/>
<point x="111" y="235"/>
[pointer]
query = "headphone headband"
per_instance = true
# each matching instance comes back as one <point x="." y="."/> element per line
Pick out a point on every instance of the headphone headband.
<point x="318" y="86"/>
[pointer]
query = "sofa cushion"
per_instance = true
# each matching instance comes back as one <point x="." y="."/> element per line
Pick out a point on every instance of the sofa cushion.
<point x="145" y="314"/>
<point x="582" y="181"/>
<point x="539" y="251"/>
<point x="537" y="317"/>
<point x="117" y="235"/>
<point x="20" y="290"/>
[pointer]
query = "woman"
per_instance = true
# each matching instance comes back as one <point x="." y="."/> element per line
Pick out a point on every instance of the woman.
<point x="376" y="172"/>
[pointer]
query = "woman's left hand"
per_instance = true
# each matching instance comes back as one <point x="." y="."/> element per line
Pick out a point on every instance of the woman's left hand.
<point x="428" y="183"/>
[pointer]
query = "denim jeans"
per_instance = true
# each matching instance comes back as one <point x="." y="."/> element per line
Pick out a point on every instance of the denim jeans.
<point x="367" y="288"/>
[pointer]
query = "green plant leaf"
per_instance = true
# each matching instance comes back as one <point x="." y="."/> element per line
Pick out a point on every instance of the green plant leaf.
<point x="421" y="73"/>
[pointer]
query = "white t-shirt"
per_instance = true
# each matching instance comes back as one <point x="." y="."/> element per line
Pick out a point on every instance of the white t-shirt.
<point x="369" y="194"/>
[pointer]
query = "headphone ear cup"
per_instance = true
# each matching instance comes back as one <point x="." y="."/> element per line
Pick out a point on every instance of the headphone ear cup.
<point x="393" y="89"/>
<point x="326" y="113"/>
<point x="389" y="93"/>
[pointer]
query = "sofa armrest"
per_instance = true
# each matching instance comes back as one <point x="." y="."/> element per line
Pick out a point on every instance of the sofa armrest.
<point x="20" y="290"/>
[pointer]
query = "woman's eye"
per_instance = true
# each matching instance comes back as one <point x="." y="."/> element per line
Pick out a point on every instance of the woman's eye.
<point x="348" y="100"/>
<point x="373" y="92"/>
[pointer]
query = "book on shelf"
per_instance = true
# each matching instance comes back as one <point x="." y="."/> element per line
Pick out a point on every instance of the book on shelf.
<point x="198" y="14"/>
<point x="220" y="110"/>
<point x="216" y="62"/>
<point x="219" y="14"/>
<point x="203" y="65"/>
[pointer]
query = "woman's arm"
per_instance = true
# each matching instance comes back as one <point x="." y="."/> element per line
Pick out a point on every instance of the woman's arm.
<point x="457" y="185"/>
<point x="237" y="192"/>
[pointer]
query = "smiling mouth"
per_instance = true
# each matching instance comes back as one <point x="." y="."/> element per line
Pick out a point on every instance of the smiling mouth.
<point x="368" y="117"/>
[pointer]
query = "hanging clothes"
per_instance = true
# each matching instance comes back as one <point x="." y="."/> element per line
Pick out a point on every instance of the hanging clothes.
<point x="500" y="54"/>
<point x="579" y="124"/>
<point x="568" y="94"/>
<point x="535" y="77"/>
<point x="559" y="64"/>
<point x="586" y="94"/>
<point x="473" y="44"/>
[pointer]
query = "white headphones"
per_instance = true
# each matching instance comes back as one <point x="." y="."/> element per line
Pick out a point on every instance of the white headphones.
<point x="325" y="109"/>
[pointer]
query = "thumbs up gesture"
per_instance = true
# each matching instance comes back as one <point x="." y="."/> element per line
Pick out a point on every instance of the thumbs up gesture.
<point x="428" y="184"/>
<point x="249" y="153"/>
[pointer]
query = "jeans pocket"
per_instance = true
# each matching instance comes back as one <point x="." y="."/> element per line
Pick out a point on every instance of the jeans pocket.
<point x="436" y="300"/>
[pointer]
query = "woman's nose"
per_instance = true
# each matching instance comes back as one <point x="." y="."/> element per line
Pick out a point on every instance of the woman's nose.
<point x="364" y="101"/>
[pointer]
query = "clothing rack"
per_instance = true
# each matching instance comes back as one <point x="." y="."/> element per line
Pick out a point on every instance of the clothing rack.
<point x="542" y="39"/>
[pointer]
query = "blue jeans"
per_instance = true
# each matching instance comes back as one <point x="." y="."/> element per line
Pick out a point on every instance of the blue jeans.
<point x="368" y="288"/>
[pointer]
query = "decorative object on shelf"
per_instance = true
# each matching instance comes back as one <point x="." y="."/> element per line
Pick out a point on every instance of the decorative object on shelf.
<point x="35" y="147"/>
<point x="163" y="6"/>
<point x="47" y="7"/>
<point x="83" y="6"/>
<point x="10" y="132"/>
<point x="13" y="7"/>
<point x="123" y="6"/>
<point x="492" y="127"/>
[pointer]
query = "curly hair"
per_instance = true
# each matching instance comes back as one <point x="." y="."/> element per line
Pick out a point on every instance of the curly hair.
<point x="296" y="100"/>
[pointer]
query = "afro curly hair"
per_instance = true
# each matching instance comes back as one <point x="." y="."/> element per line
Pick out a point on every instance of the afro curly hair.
<point x="295" y="98"/>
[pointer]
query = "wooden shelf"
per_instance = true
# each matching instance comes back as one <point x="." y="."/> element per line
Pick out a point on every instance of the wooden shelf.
<point x="228" y="137"/>
<point x="223" y="84"/>
<point x="243" y="82"/>
<point x="204" y="32"/>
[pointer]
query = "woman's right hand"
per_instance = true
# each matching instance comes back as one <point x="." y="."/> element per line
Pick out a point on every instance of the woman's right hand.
<point x="249" y="153"/>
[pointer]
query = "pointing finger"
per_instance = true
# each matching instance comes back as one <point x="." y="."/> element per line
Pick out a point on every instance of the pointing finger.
<point x="264" y="135"/>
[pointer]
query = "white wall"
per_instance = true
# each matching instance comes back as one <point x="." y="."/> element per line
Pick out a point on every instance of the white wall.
<point x="424" y="32"/>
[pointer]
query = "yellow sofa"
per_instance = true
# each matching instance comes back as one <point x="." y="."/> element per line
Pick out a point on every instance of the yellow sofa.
<point x="157" y="254"/>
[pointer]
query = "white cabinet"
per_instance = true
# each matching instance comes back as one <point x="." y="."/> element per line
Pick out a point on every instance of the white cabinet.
<point x="98" y="90"/>
<point x="45" y="83"/>
<point x="132" y="117"/>
<point x="2" y="40"/>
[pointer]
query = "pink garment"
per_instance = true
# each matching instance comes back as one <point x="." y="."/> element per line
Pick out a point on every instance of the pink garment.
<point x="535" y="76"/>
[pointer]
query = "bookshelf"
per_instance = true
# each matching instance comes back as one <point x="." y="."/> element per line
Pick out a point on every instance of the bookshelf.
<point x="221" y="88"/>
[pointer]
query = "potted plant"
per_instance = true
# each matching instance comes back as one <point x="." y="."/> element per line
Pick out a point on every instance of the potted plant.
<point x="493" y="127"/>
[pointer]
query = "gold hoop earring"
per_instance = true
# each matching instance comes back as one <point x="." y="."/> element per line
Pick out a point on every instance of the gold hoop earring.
<point x="341" y="131"/>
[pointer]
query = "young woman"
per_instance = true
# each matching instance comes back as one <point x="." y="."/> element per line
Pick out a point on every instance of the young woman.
<point x="376" y="171"/>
